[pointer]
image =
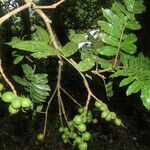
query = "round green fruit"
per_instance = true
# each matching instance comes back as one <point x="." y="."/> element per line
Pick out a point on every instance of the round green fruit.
<point x="86" y="136"/>
<point x="12" y="110"/>
<point x="118" y="122"/>
<point x="81" y="110"/>
<point x="25" y="102"/>
<point x="82" y="128"/>
<point x="78" y="140"/>
<point x="108" y="118"/>
<point x="98" y="104"/>
<point x="1" y="87"/>
<point x="73" y="135"/>
<point x="16" y="103"/>
<point x="78" y="120"/>
<point x="104" y="114"/>
<point x="83" y="146"/>
<point x="61" y="129"/>
<point x="8" y="96"/>
<point x="113" y="115"/>
<point x="94" y="120"/>
<point x="40" y="136"/>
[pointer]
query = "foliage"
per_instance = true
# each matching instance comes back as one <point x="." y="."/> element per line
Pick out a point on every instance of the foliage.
<point x="100" y="51"/>
<point x="137" y="73"/>
<point x="34" y="84"/>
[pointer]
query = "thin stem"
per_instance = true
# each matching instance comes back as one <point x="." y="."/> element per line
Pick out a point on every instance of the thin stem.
<point x="53" y="6"/>
<point x="14" y="12"/>
<point x="6" y="79"/>
<point x="74" y="100"/>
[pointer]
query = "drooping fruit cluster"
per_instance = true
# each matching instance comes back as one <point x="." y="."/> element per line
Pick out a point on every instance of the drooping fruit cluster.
<point x="15" y="102"/>
<point x="77" y="131"/>
<point x="106" y="114"/>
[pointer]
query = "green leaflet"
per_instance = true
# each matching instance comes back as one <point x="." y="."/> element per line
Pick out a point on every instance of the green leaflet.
<point x="86" y="64"/>
<point x="133" y="25"/>
<point x="109" y="39"/>
<point x="128" y="47"/>
<point x="130" y="38"/>
<point x="107" y="50"/>
<point x="40" y="35"/>
<point x="33" y="46"/>
<point x="113" y="19"/>
<point x="134" y="87"/>
<point x="145" y="96"/>
<point x="20" y="80"/>
<point x="35" y="84"/>
<point x="126" y="81"/>
<point x="109" y="28"/>
<point x="109" y="89"/>
<point x="105" y="64"/>
<point x="18" y="59"/>
<point x="69" y="49"/>
<point x="77" y="38"/>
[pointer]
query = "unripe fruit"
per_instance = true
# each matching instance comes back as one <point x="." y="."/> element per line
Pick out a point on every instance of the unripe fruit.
<point x="64" y="136"/>
<point x="94" y="120"/>
<point x="12" y="110"/>
<point x="102" y="108"/>
<point x="113" y="115"/>
<point x="118" y="122"/>
<point x="25" y="102"/>
<point x="108" y="118"/>
<point x="61" y="129"/>
<point x="78" y="120"/>
<point x="16" y="103"/>
<point x="1" y="87"/>
<point x="82" y="128"/>
<point x="40" y="136"/>
<point x="81" y="110"/>
<point x="78" y="140"/>
<point x="104" y="114"/>
<point x="65" y="141"/>
<point x="98" y="104"/>
<point x="8" y="96"/>
<point x="83" y="146"/>
<point x="73" y="135"/>
<point x="66" y="129"/>
<point x="86" y="136"/>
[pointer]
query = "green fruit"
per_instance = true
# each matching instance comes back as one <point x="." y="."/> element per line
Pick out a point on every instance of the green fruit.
<point x="82" y="128"/>
<point x="1" y="87"/>
<point x="70" y="123"/>
<point x="61" y="129"/>
<point x="98" y="104"/>
<point x="83" y="146"/>
<point x="40" y="136"/>
<point x="16" y="103"/>
<point x="73" y="135"/>
<point x="66" y="129"/>
<point x="25" y="102"/>
<point x="104" y="114"/>
<point x="8" y="96"/>
<point x="108" y="118"/>
<point x="102" y="108"/>
<point x="78" y="140"/>
<point x="65" y="141"/>
<point x="89" y="119"/>
<point x="12" y="110"/>
<point x="64" y="136"/>
<point x="118" y="122"/>
<point x="113" y="115"/>
<point x="78" y="120"/>
<point x="81" y="110"/>
<point x="94" y="120"/>
<point x="86" y="136"/>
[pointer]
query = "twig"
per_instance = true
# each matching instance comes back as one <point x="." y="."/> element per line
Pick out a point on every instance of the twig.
<point x="74" y="100"/>
<point x="46" y="112"/>
<point x="14" y="12"/>
<point x="53" y="6"/>
<point x="6" y="79"/>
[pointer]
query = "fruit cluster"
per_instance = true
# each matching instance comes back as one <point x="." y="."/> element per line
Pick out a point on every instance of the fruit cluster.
<point x="15" y="102"/>
<point x="106" y="114"/>
<point x="77" y="131"/>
